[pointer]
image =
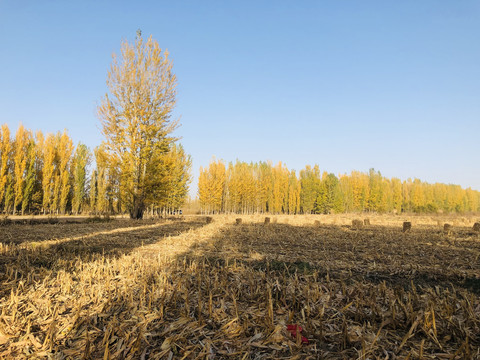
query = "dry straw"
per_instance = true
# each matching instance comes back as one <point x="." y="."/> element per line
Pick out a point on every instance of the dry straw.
<point x="181" y="289"/>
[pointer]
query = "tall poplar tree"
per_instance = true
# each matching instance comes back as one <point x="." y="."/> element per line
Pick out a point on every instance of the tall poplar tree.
<point x="280" y="189"/>
<point x="22" y="140"/>
<point x="396" y="185"/>
<point x="136" y="118"/>
<point x="48" y="180"/>
<point x="30" y="175"/>
<point x="92" y="194"/>
<point x="65" y="149"/>
<point x="310" y="185"/>
<point x="81" y="160"/>
<point x="37" y="196"/>
<point x="294" y="189"/>
<point x="264" y="186"/>
<point x="329" y="197"/>
<point x="211" y="187"/>
<point x="5" y="160"/>
<point x="101" y="204"/>
<point x="177" y="165"/>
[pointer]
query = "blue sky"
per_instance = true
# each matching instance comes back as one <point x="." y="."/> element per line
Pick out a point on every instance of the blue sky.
<point x="349" y="85"/>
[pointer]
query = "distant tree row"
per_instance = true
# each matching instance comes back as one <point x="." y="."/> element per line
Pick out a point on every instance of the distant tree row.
<point x="47" y="174"/>
<point x="242" y="187"/>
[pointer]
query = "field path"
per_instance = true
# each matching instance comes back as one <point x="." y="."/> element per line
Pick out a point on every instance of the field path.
<point x="186" y="242"/>
<point x="47" y="243"/>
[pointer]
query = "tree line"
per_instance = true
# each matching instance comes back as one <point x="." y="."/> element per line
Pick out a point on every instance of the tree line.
<point x="261" y="187"/>
<point x="47" y="174"/>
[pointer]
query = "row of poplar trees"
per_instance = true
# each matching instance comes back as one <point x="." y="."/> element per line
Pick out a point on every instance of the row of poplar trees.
<point x="139" y="166"/>
<point x="47" y="174"/>
<point x="242" y="187"/>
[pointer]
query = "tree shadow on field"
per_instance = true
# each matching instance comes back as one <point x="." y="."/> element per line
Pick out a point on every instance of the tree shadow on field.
<point x="42" y="248"/>
<point x="27" y="233"/>
<point x="339" y="283"/>
<point x="424" y="256"/>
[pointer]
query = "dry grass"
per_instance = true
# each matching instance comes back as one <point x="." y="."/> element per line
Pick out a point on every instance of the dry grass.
<point x="227" y="290"/>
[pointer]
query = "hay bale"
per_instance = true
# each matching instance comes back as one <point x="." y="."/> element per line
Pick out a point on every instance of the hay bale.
<point x="407" y="226"/>
<point x="366" y="222"/>
<point x="209" y="219"/>
<point x="238" y="221"/>
<point x="267" y="221"/>
<point x="53" y="220"/>
<point x="357" y="224"/>
<point x="476" y="227"/>
<point x="447" y="229"/>
<point x="317" y="223"/>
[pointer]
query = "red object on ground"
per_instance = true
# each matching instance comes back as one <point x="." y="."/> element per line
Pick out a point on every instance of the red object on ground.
<point x="293" y="329"/>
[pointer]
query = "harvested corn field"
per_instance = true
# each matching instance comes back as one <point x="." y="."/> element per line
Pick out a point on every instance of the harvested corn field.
<point x="298" y="287"/>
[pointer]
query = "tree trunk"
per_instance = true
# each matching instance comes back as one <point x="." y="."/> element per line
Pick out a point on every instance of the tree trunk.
<point x="138" y="208"/>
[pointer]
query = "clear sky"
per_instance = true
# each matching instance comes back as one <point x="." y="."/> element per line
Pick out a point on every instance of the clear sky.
<point x="349" y="85"/>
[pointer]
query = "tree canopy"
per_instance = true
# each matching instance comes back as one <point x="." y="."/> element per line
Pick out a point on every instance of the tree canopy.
<point x="136" y="118"/>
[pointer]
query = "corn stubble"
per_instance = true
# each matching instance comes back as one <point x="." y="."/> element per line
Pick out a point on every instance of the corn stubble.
<point x="228" y="290"/>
